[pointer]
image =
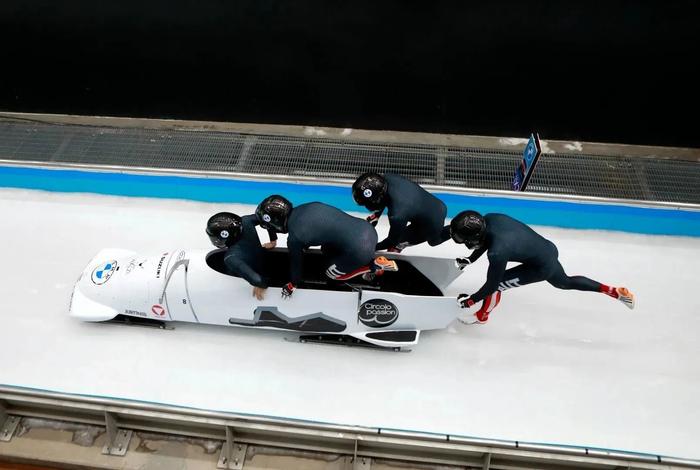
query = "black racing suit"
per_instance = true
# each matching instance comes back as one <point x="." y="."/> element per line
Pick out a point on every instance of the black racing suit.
<point x="408" y="203"/>
<point x="347" y="241"/>
<point x="246" y="257"/>
<point x="510" y="240"/>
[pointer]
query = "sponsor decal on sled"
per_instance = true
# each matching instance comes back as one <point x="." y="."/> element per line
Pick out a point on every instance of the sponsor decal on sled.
<point x="378" y="313"/>
<point x="130" y="267"/>
<point x="158" y="310"/>
<point x="103" y="272"/>
<point x="160" y="265"/>
<point x="135" y="312"/>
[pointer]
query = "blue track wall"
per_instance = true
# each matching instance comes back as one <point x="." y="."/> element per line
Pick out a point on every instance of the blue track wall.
<point x="554" y="213"/>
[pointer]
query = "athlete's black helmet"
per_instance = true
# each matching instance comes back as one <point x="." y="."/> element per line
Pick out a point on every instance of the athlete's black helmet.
<point x="273" y="213"/>
<point x="468" y="227"/>
<point x="369" y="190"/>
<point x="224" y="229"/>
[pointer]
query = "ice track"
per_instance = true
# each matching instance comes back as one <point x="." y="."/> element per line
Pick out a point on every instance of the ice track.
<point x="550" y="366"/>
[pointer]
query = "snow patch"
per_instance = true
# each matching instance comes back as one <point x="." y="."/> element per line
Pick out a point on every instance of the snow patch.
<point x="83" y="435"/>
<point x="512" y="141"/>
<point x="314" y="132"/>
<point x="577" y="146"/>
<point x="545" y="147"/>
<point x="346" y="132"/>
<point x="208" y="445"/>
<point x="523" y="142"/>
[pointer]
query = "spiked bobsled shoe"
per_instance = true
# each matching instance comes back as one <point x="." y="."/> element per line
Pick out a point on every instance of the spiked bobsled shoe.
<point x="625" y="296"/>
<point x="382" y="264"/>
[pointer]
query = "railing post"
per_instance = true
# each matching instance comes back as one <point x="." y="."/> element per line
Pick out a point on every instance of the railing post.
<point x="8" y="424"/>
<point x="117" y="439"/>
<point x="232" y="454"/>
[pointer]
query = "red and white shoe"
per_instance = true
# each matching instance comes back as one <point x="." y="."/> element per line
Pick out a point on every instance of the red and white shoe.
<point x="622" y="294"/>
<point x="625" y="296"/>
<point x="382" y="264"/>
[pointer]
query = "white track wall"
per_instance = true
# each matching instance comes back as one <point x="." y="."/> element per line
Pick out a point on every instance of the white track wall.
<point x="550" y="366"/>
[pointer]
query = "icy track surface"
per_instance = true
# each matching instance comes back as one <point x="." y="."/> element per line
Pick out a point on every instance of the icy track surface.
<point x="551" y="366"/>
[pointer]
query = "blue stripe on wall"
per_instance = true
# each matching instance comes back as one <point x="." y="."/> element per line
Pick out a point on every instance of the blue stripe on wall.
<point x="555" y="213"/>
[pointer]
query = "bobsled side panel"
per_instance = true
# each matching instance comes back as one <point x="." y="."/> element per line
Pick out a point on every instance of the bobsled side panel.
<point x="441" y="271"/>
<point x="86" y="309"/>
<point x="387" y="310"/>
<point x="273" y="318"/>
<point x="176" y="299"/>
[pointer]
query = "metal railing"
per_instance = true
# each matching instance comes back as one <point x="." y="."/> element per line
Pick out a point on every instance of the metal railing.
<point x="120" y="417"/>
<point x="618" y="177"/>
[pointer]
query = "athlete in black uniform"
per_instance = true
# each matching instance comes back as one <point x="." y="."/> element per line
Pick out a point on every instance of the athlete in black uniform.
<point x="507" y="239"/>
<point x="244" y="257"/>
<point x="348" y="241"/>
<point x="415" y="215"/>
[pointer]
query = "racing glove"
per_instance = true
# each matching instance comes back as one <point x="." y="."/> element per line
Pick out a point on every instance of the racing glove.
<point x="462" y="263"/>
<point x="465" y="300"/>
<point x="373" y="218"/>
<point x="288" y="290"/>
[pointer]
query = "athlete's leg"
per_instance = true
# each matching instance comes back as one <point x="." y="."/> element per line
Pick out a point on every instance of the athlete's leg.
<point x="348" y="266"/>
<point x="522" y="275"/>
<point x="359" y="259"/>
<point x="440" y="233"/>
<point x="442" y="237"/>
<point x="561" y="280"/>
<point x="413" y="235"/>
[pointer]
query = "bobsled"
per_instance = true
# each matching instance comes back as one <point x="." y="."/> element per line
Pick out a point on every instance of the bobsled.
<point x="194" y="286"/>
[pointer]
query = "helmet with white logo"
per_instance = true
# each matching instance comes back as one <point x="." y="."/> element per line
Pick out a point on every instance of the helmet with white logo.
<point x="273" y="213"/>
<point x="224" y="229"/>
<point x="468" y="227"/>
<point x="370" y="190"/>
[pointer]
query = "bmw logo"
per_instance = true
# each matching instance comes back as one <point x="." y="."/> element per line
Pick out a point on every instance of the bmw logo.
<point x="367" y="193"/>
<point x="224" y="234"/>
<point x="103" y="272"/>
<point x="266" y="217"/>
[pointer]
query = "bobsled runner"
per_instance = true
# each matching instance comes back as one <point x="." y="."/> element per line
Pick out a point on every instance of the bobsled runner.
<point x="193" y="286"/>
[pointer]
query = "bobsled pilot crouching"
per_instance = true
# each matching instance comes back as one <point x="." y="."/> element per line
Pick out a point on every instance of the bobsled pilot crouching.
<point x="506" y="239"/>
<point x="244" y="255"/>
<point x="415" y="215"/>
<point x="348" y="242"/>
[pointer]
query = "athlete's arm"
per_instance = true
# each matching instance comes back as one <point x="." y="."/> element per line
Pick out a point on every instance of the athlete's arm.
<point x="273" y="237"/>
<point x="373" y="218"/>
<point x="477" y="254"/>
<point x="497" y="266"/>
<point x="243" y="270"/>
<point x="273" y="240"/>
<point x="296" y="261"/>
<point x="462" y="263"/>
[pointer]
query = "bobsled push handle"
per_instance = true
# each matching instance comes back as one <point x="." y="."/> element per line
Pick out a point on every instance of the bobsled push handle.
<point x="358" y="289"/>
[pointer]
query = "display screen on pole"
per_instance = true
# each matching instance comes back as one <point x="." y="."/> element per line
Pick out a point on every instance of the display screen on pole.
<point x="523" y="172"/>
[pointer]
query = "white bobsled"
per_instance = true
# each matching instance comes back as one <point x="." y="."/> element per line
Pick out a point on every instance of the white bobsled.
<point x="193" y="286"/>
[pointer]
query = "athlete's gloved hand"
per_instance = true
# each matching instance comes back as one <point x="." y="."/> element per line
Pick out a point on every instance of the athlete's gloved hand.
<point x="288" y="290"/>
<point x="465" y="300"/>
<point x="462" y="263"/>
<point x="373" y="218"/>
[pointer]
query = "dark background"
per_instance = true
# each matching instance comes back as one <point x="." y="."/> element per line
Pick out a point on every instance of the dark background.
<point x="609" y="71"/>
